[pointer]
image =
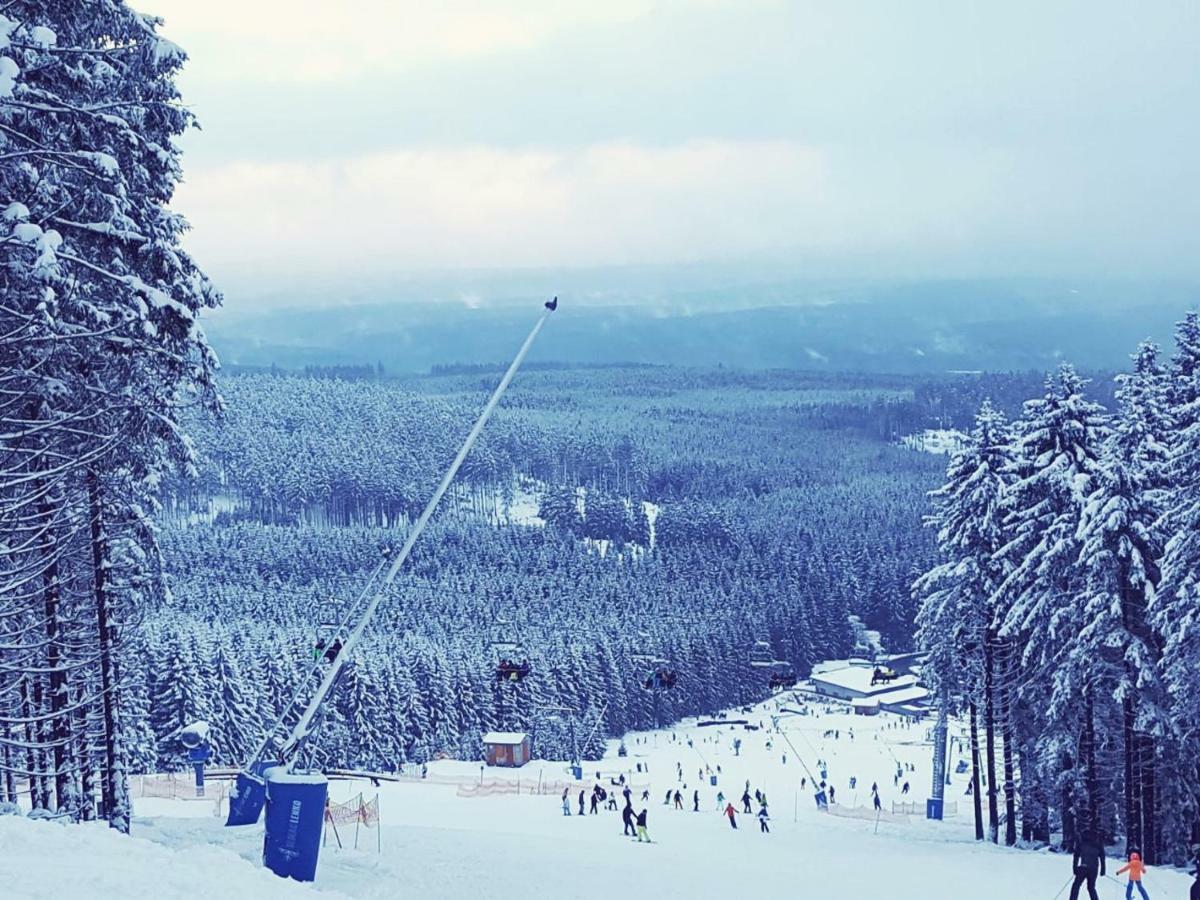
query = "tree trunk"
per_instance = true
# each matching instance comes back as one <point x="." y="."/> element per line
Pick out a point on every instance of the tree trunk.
<point x="59" y="730"/>
<point x="1148" y="808"/>
<point x="1007" y="738"/>
<point x="975" y="774"/>
<point x="989" y="731"/>
<point x="1090" y="772"/>
<point x="114" y="788"/>
<point x="1133" y="813"/>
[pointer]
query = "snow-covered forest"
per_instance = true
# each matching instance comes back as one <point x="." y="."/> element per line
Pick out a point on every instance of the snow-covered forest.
<point x="759" y="530"/>
<point x="100" y="348"/>
<point x="1062" y="616"/>
<point x="175" y="549"/>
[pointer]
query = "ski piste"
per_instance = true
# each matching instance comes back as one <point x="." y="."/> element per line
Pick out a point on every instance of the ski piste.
<point x="249" y="795"/>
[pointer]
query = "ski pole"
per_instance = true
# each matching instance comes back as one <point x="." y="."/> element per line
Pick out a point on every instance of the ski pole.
<point x="1064" y="887"/>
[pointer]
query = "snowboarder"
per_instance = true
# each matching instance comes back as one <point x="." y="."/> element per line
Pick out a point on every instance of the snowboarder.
<point x="627" y="817"/>
<point x="731" y="812"/>
<point x="641" y="828"/>
<point x="762" y="821"/>
<point x="1136" y="869"/>
<point x="1087" y="863"/>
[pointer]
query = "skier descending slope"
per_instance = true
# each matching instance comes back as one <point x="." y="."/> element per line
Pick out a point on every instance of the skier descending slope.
<point x="1136" y="869"/>
<point x="1088" y="864"/>
<point x="732" y="813"/>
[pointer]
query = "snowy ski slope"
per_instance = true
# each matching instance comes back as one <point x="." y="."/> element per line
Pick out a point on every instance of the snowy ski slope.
<point x="445" y="838"/>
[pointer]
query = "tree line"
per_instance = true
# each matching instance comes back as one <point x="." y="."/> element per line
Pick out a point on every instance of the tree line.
<point x="1061" y="616"/>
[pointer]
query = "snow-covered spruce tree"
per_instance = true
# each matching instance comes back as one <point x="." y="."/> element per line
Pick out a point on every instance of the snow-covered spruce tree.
<point x="106" y="302"/>
<point x="1056" y="451"/>
<point x="1120" y="552"/>
<point x="956" y="622"/>
<point x="1176" y="608"/>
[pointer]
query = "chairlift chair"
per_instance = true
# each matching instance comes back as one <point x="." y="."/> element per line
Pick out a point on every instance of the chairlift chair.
<point x="782" y="676"/>
<point x="661" y="676"/>
<point x="512" y="660"/>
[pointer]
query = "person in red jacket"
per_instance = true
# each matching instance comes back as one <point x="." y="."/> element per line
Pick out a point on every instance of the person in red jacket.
<point x="1136" y="869"/>
<point x="731" y="812"/>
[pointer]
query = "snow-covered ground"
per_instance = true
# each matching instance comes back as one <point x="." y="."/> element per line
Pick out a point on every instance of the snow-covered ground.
<point x="445" y="838"/>
<point x="939" y="441"/>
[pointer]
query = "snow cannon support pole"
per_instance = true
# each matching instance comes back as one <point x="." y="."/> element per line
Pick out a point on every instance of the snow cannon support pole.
<point x="934" y="806"/>
<point x="301" y="732"/>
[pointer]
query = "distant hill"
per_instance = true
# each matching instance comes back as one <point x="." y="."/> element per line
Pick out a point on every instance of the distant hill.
<point x="900" y="327"/>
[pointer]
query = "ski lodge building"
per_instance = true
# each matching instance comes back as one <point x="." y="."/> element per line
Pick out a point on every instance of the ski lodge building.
<point x="850" y="680"/>
<point x="506" y="748"/>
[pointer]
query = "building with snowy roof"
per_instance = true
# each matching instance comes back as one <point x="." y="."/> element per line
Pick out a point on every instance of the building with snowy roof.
<point x="506" y="748"/>
<point x="903" y="694"/>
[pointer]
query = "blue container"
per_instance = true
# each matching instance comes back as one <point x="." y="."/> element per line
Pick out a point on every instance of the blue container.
<point x="933" y="808"/>
<point x="712" y="779"/>
<point x="577" y="771"/>
<point x="248" y="796"/>
<point x="295" y="815"/>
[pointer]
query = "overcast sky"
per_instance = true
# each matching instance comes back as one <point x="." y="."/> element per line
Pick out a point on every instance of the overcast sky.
<point x="901" y="137"/>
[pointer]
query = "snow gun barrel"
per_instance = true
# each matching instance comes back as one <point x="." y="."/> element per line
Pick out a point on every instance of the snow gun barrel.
<point x="248" y="795"/>
<point x="303" y="729"/>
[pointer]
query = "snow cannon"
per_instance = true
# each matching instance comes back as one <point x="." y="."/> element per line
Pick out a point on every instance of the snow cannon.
<point x="295" y="817"/>
<point x="248" y="795"/>
<point x="194" y="738"/>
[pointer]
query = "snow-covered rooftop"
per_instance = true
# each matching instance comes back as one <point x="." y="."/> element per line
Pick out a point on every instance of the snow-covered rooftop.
<point x="865" y="702"/>
<point x="504" y="737"/>
<point x="858" y="678"/>
<point x="907" y="695"/>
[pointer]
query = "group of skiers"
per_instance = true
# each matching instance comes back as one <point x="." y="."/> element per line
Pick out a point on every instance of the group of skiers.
<point x="1087" y="864"/>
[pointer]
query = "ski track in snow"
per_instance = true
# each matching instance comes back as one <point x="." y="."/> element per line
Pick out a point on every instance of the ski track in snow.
<point x="437" y="844"/>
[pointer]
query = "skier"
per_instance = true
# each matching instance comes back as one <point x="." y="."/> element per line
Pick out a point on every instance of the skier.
<point x="746" y="801"/>
<point x="1136" y="869"/>
<point x="581" y="803"/>
<point x="566" y="800"/>
<point x="720" y="800"/>
<point x="696" y="801"/>
<point x="646" y="795"/>
<point x="1088" y="864"/>
<point x="904" y="790"/>
<point x="731" y="812"/>
<point x="595" y="801"/>
<point x="627" y="817"/>
<point x="667" y="799"/>
<point x="762" y="821"/>
<point x="551" y="305"/>
<point x="678" y="800"/>
<point x="832" y="792"/>
<point x="878" y="805"/>
<point x="641" y="827"/>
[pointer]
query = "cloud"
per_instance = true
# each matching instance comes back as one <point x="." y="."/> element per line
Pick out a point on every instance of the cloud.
<point x="616" y="202"/>
<point x="311" y="41"/>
